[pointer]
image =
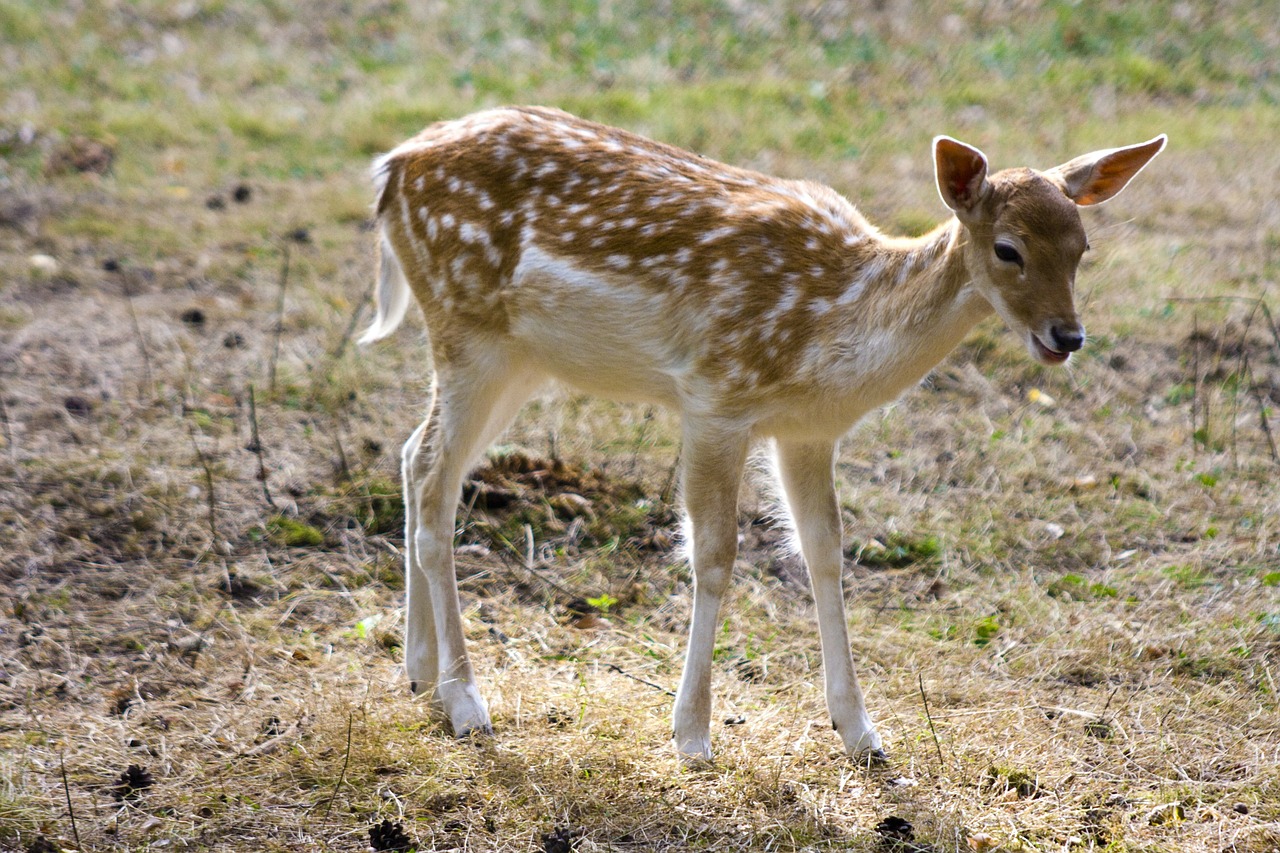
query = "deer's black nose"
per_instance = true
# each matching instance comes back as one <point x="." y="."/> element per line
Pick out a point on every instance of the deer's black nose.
<point x="1067" y="338"/>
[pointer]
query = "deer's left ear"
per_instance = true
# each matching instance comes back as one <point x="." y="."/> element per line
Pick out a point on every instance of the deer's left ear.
<point x="1097" y="177"/>
<point x="961" y="172"/>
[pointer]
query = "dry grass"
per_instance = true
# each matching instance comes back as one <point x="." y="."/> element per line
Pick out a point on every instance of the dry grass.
<point x="1077" y="571"/>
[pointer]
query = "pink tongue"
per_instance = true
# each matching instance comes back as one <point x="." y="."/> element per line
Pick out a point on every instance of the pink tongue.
<point x="1052" y="355"/>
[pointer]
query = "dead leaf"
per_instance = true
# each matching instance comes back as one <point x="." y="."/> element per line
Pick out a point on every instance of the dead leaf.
<point x="980" y="842"/>
<point x="80" y="154"/>
<point x="589" y="622"/>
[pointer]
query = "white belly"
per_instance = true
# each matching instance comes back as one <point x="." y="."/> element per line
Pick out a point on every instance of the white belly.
<point x="615" y="339"/>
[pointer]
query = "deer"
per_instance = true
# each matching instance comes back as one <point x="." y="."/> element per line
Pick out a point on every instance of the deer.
<point x="544" y="247"/>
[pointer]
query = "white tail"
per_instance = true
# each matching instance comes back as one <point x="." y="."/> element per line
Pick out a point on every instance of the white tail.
<point x="543" y="246"/>
<point x="392" y="296"/>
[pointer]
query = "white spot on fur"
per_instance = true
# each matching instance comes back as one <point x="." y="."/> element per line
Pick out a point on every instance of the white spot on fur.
<point x="717" y="234"/>
<point x="852" y="293"/>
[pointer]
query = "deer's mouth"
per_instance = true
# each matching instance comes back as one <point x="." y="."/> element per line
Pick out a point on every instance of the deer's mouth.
<point x="1047" y="354"/>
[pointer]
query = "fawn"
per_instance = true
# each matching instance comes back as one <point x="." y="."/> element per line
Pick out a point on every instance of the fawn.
<point x="542" y="246"/>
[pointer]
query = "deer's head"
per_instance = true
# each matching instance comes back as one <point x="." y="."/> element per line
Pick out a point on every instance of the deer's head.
<point x="1023" y="235"/>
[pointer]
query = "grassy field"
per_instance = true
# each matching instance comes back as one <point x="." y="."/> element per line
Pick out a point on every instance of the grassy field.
<point x="1064" y="586"/>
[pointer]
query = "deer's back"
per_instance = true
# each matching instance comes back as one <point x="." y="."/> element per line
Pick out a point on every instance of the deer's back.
<point x="626" y="265"/>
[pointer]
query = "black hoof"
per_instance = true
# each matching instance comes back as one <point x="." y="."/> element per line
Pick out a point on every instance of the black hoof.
<point x="476" y="734"/>
<point x="874" y="758"/>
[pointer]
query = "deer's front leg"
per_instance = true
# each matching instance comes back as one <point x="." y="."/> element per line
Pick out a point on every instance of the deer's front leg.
<point x="808" y="479"/>
<point x="712" y="460"/>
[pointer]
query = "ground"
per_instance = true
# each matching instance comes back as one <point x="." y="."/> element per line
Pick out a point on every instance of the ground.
<point x="1063" y="585"/>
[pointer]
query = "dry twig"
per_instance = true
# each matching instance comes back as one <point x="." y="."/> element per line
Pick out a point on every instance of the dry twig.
<point x="255" y="444"/>
<point x="208" y="481"/>
<point x="346" y="760"/>
<point x="928" y="716"/>
<point x="66" y="790"/>
<point x="279" y="329"/>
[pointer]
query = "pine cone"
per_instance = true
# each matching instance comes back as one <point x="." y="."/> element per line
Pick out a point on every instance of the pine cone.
<point x="562" y="840"/>
<point x="388" y="837"/>
<point x="135" y="778"/>
<point x="896" y="829"/>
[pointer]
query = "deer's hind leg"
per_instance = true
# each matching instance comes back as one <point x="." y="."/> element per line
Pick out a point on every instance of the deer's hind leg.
<point x="476" y="395"/>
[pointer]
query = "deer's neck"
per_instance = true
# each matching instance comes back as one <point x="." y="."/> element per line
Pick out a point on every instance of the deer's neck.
<point x="909" y="304"/>
<point x="918" y="293"/>
<point x="925" y="284"/>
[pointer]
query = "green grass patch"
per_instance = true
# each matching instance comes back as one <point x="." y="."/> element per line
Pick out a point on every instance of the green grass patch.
<point x="897" y="551"/>
<point x="1073" y="587"/>
<point x="1187" y="576"/>
<point x="293" y="533"/>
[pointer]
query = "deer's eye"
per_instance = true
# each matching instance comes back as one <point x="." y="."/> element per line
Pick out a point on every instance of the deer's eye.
<point x="1007" y="253"/>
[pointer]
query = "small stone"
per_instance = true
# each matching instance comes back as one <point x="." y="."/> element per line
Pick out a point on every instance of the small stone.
<point x="43" y="266"/>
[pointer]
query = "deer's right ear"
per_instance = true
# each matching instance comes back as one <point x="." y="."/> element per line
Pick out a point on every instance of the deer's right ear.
<point x="1097" y="177"/>
<point x="961" y="171"/>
